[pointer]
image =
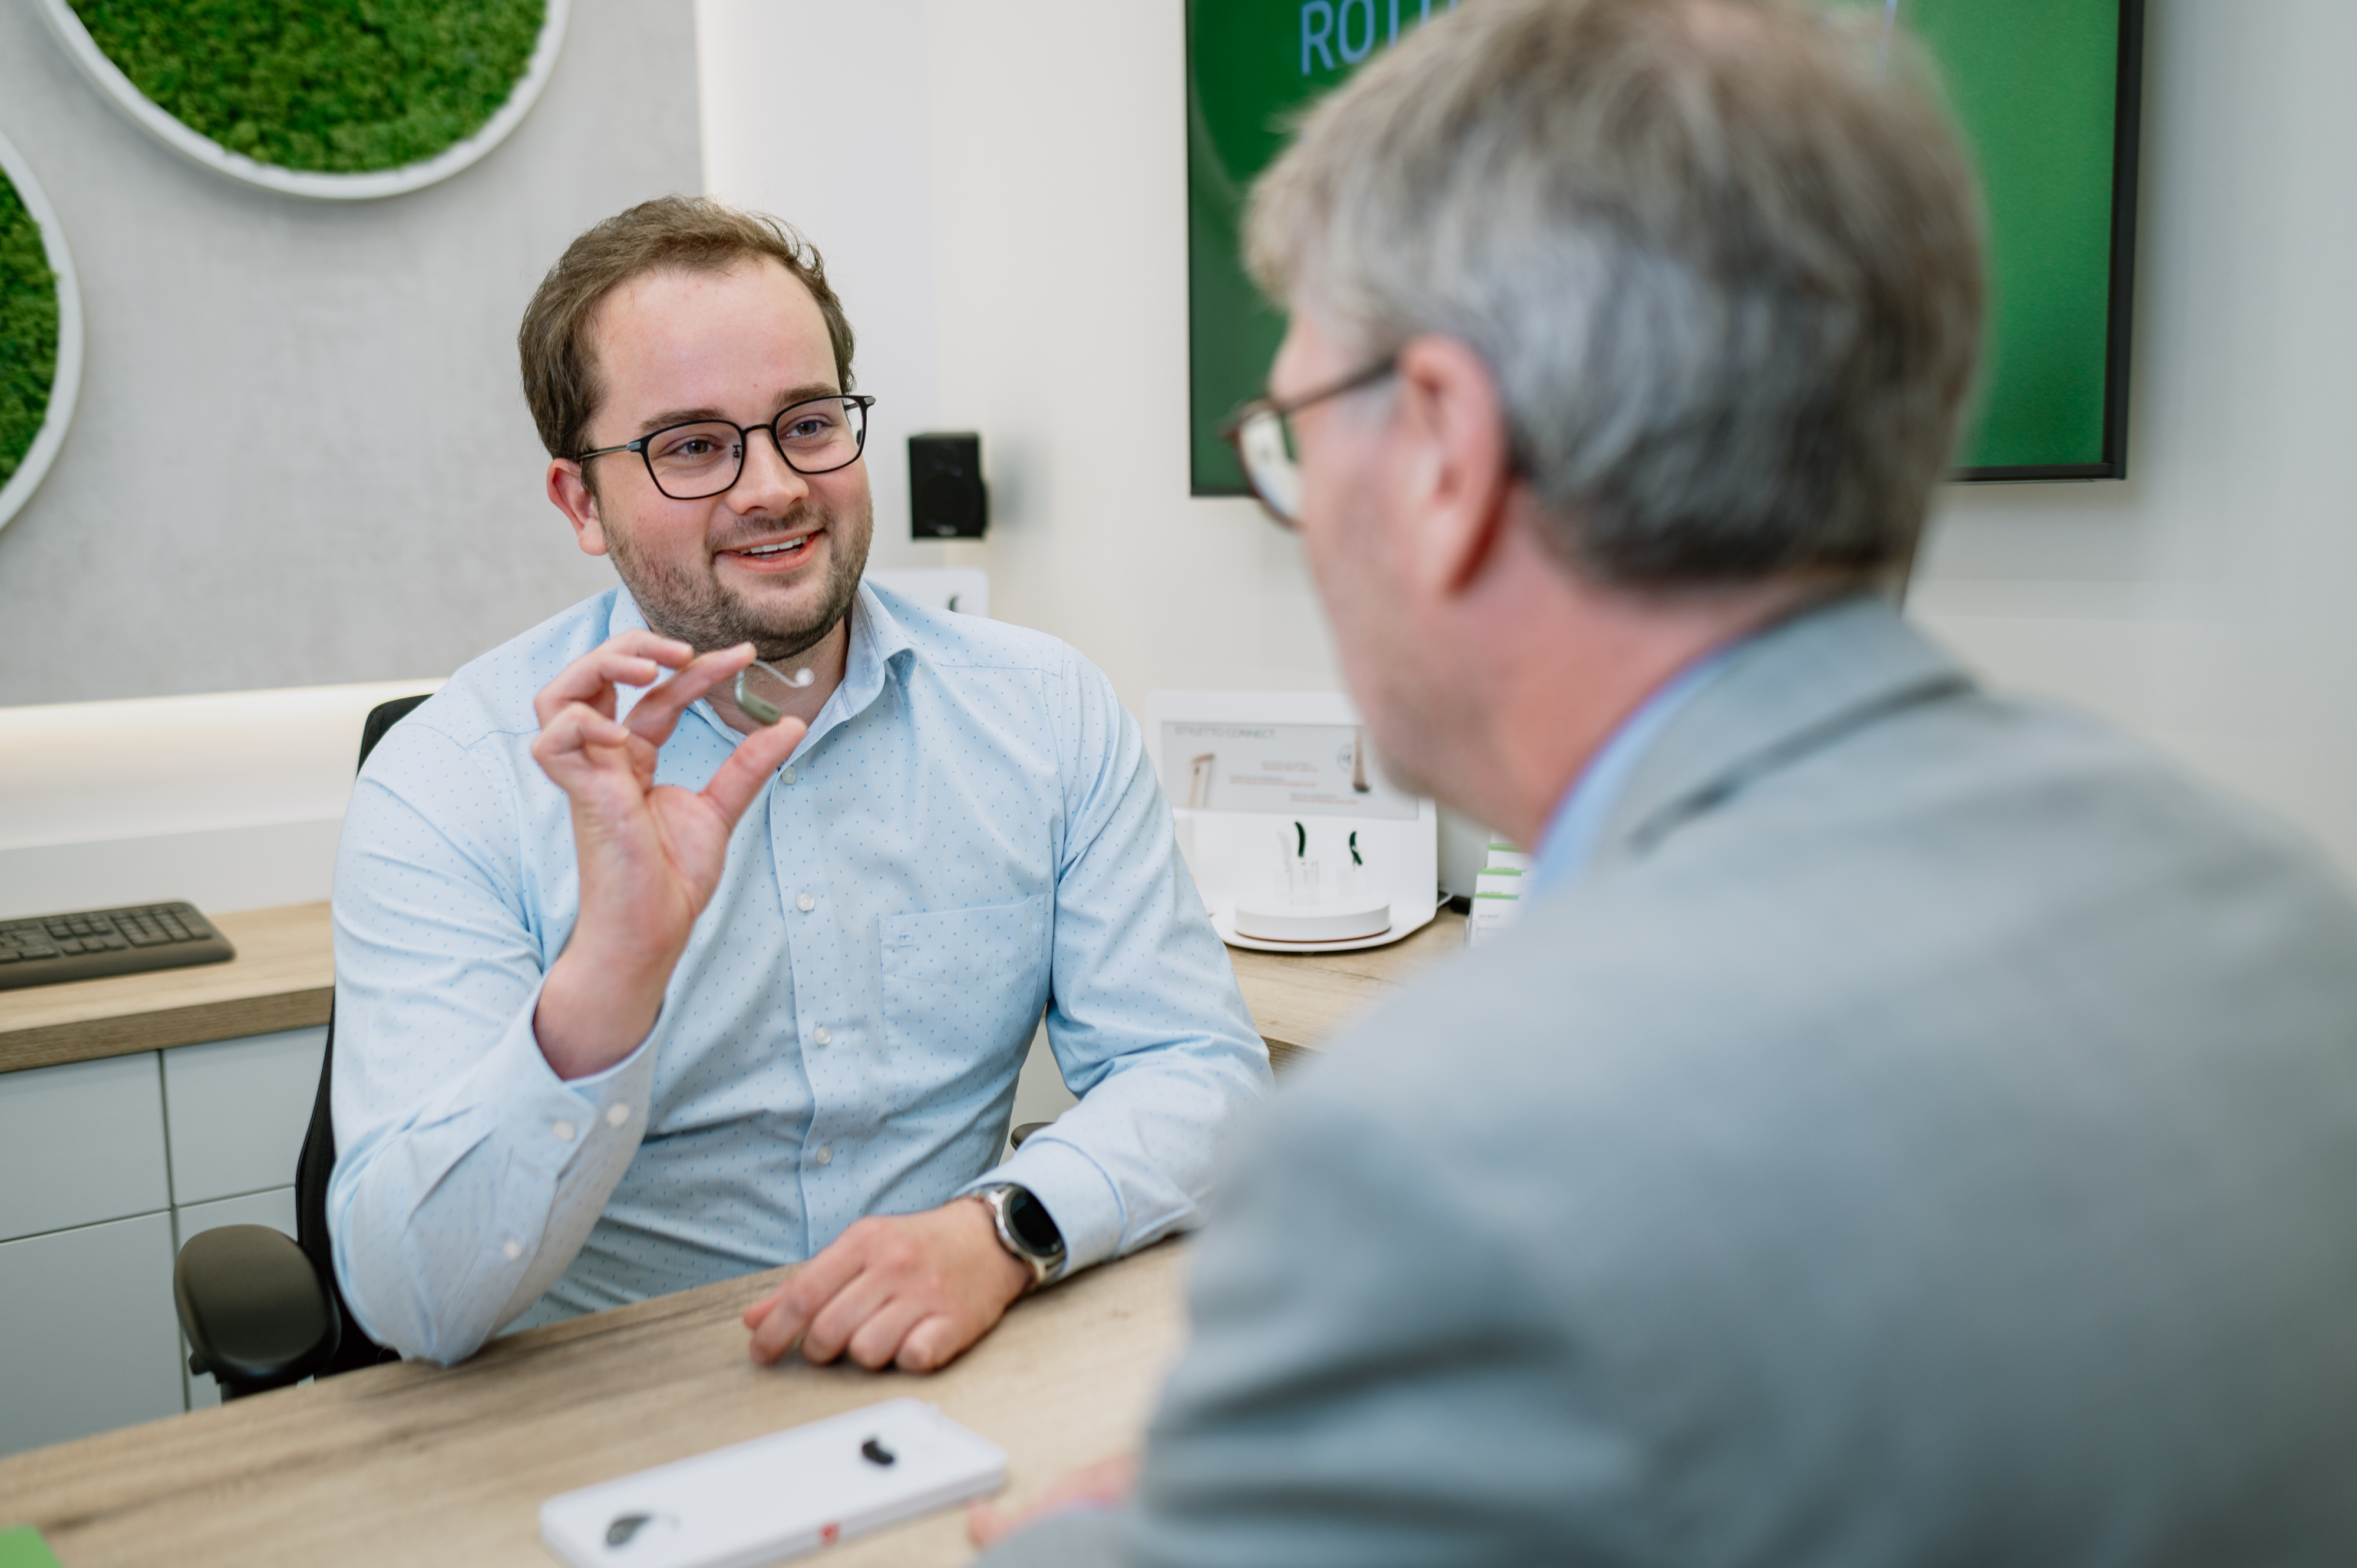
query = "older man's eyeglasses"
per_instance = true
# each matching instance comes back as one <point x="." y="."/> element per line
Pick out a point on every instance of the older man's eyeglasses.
<point x="1261" y="434"/>
<point x="703" y="457"/>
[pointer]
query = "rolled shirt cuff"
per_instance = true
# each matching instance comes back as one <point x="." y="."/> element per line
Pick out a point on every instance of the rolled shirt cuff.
<point x="550" y="1119"/>
<point x="1080" y="1197"/>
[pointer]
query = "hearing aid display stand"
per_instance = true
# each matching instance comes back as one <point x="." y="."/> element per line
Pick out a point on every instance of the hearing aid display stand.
<point x="780" y="1495"/>
<point x="1296" y="841"/>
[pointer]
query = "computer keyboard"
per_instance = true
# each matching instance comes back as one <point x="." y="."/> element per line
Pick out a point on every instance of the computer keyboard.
<point x="107" y="941"/>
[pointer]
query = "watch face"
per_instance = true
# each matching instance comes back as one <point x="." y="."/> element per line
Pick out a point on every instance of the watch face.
<point x="1027" y="1218"/>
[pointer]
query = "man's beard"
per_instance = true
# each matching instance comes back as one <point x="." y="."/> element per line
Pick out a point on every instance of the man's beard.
<point x="695" y="609"/>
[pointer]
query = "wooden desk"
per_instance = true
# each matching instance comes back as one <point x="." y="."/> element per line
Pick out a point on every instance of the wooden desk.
<point x="412" y="1464"/>
<point x="417" y="1464"/>
<point x="284" y="974"/>
<point x="282" y="978"/>
<point x="1299" y="1001"/>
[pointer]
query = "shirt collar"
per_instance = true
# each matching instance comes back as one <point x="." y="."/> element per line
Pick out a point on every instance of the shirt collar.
<point x="878" y="642"/>
<point x="1578" y="824"/>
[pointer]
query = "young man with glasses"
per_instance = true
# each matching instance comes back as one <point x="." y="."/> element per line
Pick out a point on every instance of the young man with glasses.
<point x="637" y="991"/>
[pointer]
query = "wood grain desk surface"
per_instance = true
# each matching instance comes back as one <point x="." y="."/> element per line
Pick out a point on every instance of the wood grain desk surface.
<point x="410" y="1463"/>
<point x="1300" y="1000"/>
<point x="283" y="976"/>
<point x="417" y="1463"/>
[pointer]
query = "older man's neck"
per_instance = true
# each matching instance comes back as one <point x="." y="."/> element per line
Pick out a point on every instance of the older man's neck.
<point x="1575" y="660"/>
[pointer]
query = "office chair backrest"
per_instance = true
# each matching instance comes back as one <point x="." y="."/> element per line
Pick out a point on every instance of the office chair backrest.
<point x="316" y="1163"/>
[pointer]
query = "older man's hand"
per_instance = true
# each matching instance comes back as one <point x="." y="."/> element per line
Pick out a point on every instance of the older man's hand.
<point x="906" y="1290"/>
<point x="1107" y="1484"/>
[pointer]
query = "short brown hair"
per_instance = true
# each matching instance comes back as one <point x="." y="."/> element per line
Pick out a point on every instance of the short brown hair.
<point x="689" y="233"/>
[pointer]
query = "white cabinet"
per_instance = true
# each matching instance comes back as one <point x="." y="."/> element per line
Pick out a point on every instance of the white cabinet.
<point x="90" y="1342"/>
<point x="238" y="1109"/>
<point x="105" y="1167"/>
<point x="79" y="1144"/>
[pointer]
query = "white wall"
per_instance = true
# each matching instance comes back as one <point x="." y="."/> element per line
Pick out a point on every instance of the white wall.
<point x="2207" y="602"/>
<point x="300" y="454"/>
<point x="818" y="113"/>
<point x="231" y="801"/>
<point x="1006" y="222"/>
<point x="1041" y="173"/>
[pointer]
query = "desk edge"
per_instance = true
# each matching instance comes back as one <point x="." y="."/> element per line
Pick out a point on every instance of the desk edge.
<point x="90" y="1039"/>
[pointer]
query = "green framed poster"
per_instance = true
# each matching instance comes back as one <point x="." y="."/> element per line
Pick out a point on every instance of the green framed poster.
<point x="2048" y="91"/>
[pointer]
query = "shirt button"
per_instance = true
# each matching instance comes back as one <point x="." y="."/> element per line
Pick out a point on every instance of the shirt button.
<point x="821" y="1035"/>
<point x="513" y="1250"/>
<point x="824" y="1156"/>
<point x="563" y="1131"/>
<point x="805" y="903"/>
<point x="787" y="777"/>
<point x="617" y="1114"/>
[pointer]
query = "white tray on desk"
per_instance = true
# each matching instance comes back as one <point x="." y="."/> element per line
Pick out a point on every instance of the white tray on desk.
<point x="1223" y="920"/>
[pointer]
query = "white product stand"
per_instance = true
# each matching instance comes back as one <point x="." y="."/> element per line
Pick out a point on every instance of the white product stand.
<point x="1296" y="841"/>
<point x="67" y="385"/>
<point x="318" y="185"/>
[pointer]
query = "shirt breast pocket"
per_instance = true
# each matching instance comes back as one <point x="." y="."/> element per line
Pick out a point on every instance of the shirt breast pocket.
<point x="963" y="990"/>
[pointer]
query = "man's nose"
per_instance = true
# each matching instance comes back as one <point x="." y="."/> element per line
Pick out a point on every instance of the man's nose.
<point x="768" y="481"/>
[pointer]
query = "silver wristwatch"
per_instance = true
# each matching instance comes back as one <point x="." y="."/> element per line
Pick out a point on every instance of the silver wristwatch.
<point x="1025" y="1230"/>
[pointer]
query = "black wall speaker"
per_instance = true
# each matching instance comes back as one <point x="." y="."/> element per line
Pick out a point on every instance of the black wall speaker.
<point x="946" y="498"/>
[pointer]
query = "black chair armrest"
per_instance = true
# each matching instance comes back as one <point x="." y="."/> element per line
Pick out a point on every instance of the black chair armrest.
<point x="256" y="1313"/>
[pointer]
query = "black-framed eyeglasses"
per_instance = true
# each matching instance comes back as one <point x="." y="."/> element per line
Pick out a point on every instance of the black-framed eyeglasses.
<point x="1261" y="434"/>
<point x="704" y="457"/>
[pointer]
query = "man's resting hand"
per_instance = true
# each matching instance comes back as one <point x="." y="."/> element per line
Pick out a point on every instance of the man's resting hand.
<point x="908" y="1290"/>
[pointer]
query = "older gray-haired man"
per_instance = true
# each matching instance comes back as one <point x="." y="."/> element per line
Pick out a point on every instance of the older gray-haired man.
<point x="1911" y="1127"/>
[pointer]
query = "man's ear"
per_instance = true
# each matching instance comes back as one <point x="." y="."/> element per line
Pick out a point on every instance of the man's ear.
<point x="568" y="490"/>
<point x="1460" y="476"/>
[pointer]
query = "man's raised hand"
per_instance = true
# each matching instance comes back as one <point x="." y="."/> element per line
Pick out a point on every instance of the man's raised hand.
<point x="649" y="854"/>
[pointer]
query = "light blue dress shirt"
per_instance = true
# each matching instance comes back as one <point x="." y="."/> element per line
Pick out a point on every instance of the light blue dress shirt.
<point x="971" y="832"/>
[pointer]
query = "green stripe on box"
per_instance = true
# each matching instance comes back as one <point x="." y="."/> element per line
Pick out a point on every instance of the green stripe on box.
<point x="22" y="1547"/>
<point x="1509" y="898"/>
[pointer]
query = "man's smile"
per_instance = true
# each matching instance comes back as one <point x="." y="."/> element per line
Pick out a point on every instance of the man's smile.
<point x="774" y="554"/>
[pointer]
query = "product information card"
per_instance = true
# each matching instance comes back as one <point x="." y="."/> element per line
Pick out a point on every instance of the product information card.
<point x="1283" y="770"/>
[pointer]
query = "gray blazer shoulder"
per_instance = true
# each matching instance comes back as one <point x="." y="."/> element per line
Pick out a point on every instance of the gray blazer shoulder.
<point x="1923" y="1136"/>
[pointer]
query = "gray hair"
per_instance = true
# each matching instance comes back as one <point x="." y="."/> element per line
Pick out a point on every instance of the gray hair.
<point x="1723" y="262"/>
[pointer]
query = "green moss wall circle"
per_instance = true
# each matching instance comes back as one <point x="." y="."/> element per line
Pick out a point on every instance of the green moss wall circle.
<point x="335" y="100"/>
<point x="40" y="333"/>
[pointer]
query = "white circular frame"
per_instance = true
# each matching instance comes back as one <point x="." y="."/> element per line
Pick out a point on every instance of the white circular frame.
<point x="66" y="386"/>
<point x="108" y="78"/>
